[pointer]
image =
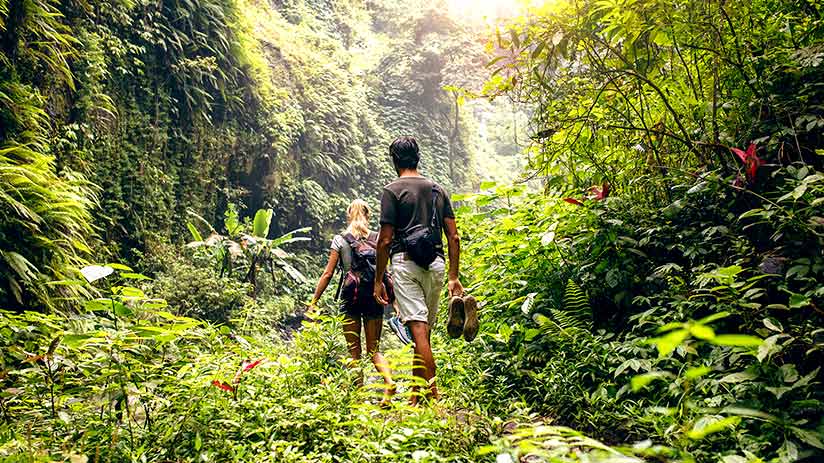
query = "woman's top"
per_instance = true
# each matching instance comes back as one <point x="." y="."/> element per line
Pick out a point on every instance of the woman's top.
<point x="344" y="251"/>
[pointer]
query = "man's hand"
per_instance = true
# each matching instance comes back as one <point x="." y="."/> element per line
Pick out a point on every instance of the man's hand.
<point x="380" y="293"/>
<point x="455" y="287"/>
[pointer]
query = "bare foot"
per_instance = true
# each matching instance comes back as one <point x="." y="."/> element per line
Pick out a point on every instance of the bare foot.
<point x="390" y="391"/>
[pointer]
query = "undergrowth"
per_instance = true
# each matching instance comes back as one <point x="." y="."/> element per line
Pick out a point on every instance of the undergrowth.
<point x="130" y="381"/>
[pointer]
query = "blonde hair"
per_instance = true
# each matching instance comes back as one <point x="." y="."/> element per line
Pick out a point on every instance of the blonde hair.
<point x="357" y="215"/>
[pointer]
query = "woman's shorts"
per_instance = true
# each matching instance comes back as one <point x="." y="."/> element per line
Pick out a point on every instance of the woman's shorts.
<point x="364" y="312"/>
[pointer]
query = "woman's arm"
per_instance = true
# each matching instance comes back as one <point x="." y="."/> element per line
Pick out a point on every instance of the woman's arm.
<point x="326" y="277"/>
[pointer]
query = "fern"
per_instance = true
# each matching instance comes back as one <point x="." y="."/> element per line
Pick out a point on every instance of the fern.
<point x="572" y="322"/>
<point x="576" y="305"/>
<point x="536" y="354"/>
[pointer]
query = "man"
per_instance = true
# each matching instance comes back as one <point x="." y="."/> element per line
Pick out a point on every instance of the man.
<point x="406" y="206"/>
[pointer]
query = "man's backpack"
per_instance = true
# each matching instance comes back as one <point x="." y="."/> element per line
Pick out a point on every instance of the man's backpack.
<point x="357" y="288"/>
<point x="420" y="242"/>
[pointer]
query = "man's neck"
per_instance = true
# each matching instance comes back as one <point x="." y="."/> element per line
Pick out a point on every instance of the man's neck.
<point x="409" y="173"/>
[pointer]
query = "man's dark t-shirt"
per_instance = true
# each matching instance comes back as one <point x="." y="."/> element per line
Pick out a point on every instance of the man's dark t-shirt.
<point x="407" y="204"/>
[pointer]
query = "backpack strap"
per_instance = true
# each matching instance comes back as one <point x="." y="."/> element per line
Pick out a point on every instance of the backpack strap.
<point x="433" y="223"/>
<point x="351" y="240"/>
<point x="342" y="276"/>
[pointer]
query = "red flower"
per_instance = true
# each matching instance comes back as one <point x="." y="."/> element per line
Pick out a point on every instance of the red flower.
<point x="573" y="201"/>
<point x="750" y="159"/>
<point x="249" y="366"/>
<point x="244" y="367"/>
<point x="601" y="193"/>
<point x="223" y="385"/>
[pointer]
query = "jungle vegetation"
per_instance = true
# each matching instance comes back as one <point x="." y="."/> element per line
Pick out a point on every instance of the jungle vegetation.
<point x="638" y="185"/>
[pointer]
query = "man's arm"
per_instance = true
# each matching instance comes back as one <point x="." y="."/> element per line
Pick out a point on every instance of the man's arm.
<point x="384" y="241"/>
<point x="453" y="241"/>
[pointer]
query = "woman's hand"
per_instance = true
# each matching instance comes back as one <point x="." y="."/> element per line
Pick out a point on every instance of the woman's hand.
<point x="311" y="309"/>
<point x="380" y="293"/>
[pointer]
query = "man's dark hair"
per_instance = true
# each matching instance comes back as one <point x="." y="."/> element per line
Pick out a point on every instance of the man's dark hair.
<point x="405" y="153"/>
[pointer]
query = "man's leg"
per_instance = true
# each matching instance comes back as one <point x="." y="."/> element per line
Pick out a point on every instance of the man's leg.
<point x="432" y="285"/>
<point x="423" y="365"/>
<point x="413" y="312"/>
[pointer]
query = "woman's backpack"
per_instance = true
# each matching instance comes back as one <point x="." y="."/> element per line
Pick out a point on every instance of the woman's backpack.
<point x="357" y="289"/>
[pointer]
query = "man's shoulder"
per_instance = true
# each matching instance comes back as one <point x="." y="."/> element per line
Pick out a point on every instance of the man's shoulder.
<point x="402" y="183"/>
<point x="439" y="187"/>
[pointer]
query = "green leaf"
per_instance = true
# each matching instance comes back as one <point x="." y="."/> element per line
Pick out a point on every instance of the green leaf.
<point x="130" y="292"/>
<point x="638" y="382"/>
<point x="737" y="340"/>
<point x="738" y="377"/>
<point x="773" y="324"/>
<point x="798" y="301"/>
<point x="263" y="218"/>
<point x="494" y="60"/>
<point x="734" y="459"/>
<point x="101" y="304"/>
<point x="531" y="333"/>
<point x="120" y="267"/>
<point x="799" y="191"/>
<point x="768" y="347"/>
<point x="712" y="424"/>
<point x="711" y="318"/>
<point x="154" y="304"/>
<point x="134" y="276"/>
<point x="195" y="234"/>
<point x="810" y="438"/>
<point x="668" y="342"/>
<point x="538" y="49"/>
<point x="702" y="332"/>
<point x="505" y="331"/>
<point x="515" y="38"/>
<point x="76" y="340"/>
<point x="697" y="372"/>
<point x="122" y="310"/>
<point x="750" y="413"/>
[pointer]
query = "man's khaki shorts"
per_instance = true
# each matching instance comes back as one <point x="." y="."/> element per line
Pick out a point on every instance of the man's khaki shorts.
<point x="417" y="290"/>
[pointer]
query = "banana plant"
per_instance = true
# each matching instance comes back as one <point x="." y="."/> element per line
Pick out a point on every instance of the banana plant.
<point x="247" y="253"/>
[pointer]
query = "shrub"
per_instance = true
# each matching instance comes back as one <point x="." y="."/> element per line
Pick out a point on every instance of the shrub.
<point x="199" y="292"/>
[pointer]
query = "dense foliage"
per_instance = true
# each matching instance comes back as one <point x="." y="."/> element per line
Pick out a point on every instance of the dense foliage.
<point x="694" y="132"/>
<point x="176" y="105"/>
<point x="650" y="286"/>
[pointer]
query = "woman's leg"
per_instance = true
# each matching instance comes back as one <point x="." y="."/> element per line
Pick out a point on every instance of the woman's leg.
<point x="372" y="329"/>
<point x="351" y="331"/>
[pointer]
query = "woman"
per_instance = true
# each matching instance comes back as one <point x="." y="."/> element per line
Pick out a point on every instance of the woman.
<point x="367" y="315"/>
